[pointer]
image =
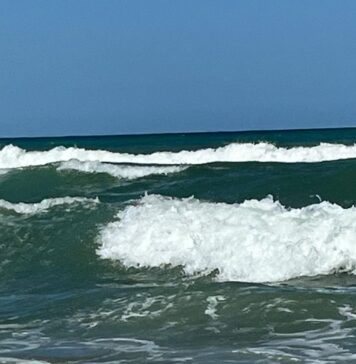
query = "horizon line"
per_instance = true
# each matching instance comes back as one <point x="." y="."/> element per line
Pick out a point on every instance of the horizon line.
<point x="244" y="131"/>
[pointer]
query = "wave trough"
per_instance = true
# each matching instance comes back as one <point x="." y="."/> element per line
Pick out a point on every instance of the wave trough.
<point x="256" y="241"/>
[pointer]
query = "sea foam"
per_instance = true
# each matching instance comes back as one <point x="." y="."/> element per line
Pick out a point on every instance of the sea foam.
<point x="255" y="241"/>
<point x="118" y="171"/>
<point x="14" y="157"/>
<point x="44" y="205"/>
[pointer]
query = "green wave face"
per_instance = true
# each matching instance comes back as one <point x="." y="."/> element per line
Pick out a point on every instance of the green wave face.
<point x="294" y="185"/>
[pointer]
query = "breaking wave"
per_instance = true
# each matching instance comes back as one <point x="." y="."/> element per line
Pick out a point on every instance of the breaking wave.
<point x="118" y="171"/>
<point x="14" y="157"/>
<point x="44" y="205"/>
<point x="256" y="241"/>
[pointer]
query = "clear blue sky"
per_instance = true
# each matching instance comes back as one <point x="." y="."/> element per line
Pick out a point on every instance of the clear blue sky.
<point x="111" y="67"/>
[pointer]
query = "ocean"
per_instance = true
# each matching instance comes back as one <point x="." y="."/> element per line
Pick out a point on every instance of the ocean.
<point x="179" y="248"/>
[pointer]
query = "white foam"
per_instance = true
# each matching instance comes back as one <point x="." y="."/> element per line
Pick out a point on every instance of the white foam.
<point x="118" y="171"/>
<point x="256" y="241"/>
<point x="212" y="306"/>
<point x="15" y="157"/>
<point x="44" y="205"/>
<point x="8" y="360"/>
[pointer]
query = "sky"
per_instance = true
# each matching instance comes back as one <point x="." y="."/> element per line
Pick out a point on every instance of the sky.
<point x="84" y="67"/>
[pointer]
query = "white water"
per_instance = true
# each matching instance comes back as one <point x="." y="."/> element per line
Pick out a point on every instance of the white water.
<point x="211" y="309"/>
<point x="44" y="205"/>
<point x="15" y="157"/>
<point x="256" y="241"/>
<point x="3" y="171"/>
<point x="118" y="171"/>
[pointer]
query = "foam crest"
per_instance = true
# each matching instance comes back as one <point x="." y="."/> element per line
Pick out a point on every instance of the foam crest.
<point x="119" y="171"/>
<point x="15" y="157"/>
<point x="256" y="241"/>
<point x="44" y="205"/>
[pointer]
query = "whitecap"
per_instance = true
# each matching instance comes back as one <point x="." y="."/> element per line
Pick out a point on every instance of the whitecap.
<point x="44" y="205"/>
<point x="255" y="241"/>
<point x="118" y="171"/>
<point x="14" y="157"/>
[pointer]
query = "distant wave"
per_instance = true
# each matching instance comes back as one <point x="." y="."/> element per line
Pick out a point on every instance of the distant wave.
<point x="44" y="205"/>
<point x="256" y="241"/>
<point x="15" y="157"/>
<point x="118" y="171"/>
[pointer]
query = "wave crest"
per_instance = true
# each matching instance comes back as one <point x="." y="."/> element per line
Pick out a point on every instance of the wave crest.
<point x="15" y="157"/>
<point x="44" y="205"/>
<point x="118" y="171"/>
<point x="256" y="241"/>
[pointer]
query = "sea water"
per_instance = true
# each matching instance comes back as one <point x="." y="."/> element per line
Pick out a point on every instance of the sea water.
<point x="180" y="248"/>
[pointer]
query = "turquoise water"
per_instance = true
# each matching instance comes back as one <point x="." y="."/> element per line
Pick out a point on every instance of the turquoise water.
<point x="210" y="256"/>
